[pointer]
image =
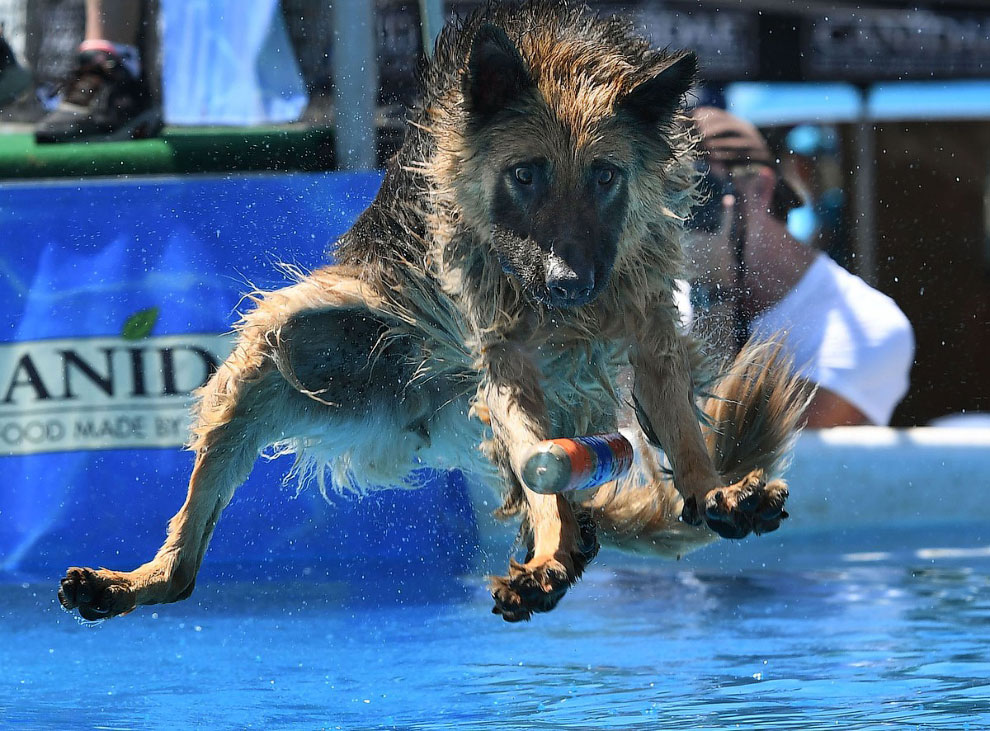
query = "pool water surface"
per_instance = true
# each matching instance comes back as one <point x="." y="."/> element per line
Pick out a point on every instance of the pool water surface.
<point x="815" y="633"/>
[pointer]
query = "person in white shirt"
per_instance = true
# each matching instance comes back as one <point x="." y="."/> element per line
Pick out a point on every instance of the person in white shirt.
<point x="752" y="277"/>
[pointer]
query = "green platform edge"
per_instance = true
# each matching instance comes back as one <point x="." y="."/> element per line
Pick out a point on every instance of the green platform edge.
<point x="175" y="150"/>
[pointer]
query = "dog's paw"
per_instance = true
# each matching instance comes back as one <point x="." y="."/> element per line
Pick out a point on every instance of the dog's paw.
<point x="690" y="513"/>
<point x="529" y="588"/>
<point x="96" y="594"/>
<point x="752" y="505"/>
<point x="539" y="584"/>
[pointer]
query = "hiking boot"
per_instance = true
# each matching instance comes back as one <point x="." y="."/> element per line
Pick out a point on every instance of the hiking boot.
<point x="14" y="79"/>
<point x="101" y="101"/>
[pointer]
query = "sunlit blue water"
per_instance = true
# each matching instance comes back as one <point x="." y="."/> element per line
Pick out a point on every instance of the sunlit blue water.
<point x="817" y="637"/>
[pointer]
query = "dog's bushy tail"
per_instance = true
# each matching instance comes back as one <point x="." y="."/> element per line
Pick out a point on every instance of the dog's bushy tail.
<point x="755" y="412"/>
<point x="752" y="417"/>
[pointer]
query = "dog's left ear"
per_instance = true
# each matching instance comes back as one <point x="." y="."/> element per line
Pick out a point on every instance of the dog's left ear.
<point x="496" y="74"/>
<point x="654" y="100"/>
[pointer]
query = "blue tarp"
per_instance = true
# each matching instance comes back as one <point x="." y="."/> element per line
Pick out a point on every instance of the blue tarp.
<point x="116" y="295"/>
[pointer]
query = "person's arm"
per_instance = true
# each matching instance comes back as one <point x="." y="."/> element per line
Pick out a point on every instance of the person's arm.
<point x="828" y="409"/>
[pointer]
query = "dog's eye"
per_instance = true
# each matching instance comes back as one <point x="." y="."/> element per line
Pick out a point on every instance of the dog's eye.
<point x="606" y="176"/>
<point x="524" y="175"/>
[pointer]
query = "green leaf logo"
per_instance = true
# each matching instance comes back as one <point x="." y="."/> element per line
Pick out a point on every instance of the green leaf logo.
<point x="139" y="324"/>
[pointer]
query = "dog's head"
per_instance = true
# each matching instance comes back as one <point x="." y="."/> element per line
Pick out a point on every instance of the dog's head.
<point x="561" y="134"/>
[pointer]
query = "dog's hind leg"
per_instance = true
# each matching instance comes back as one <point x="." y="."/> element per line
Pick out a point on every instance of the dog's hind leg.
<point x="316" y="338"/>
<point x="225" y="453"/>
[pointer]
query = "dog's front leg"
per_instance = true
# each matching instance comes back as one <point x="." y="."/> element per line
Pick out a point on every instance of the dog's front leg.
<point x="664" y="392"/>
<point x="559" y="548"/>
<point x="665" y="395"/>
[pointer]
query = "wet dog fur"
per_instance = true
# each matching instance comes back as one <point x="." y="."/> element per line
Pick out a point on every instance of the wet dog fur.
<point x="523" y="248"/>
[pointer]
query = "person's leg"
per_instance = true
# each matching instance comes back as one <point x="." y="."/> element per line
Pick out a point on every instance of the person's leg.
<point x="117" y="21"/>
<point x="112" y="26"/>
<point x="104" y="97"/>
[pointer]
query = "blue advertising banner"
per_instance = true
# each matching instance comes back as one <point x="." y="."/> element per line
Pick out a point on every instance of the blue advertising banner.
<point x="118" y="297"/>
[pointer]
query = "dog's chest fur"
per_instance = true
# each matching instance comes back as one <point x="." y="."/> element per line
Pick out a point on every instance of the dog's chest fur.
<point x="580" y="384"/>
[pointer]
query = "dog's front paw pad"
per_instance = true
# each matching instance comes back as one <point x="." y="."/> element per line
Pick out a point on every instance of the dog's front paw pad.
<point x="530" y="588"/>
<point x="750" y="506"/>
<point x="94" y="594"/>
<point x="690" y="513"/>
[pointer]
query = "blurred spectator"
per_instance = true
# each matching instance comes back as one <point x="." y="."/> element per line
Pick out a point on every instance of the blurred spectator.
<point x="104" y="96"/>
<point x="752" y="276"/>
<point x="222" y="62"/>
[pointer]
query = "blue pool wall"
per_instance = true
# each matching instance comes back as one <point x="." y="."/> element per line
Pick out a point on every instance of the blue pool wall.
<point x="77" y="259"/>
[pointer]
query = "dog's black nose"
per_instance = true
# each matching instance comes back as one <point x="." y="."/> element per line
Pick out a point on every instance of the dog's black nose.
<point x="574" y="290"/>
<point x="567" y="286"/>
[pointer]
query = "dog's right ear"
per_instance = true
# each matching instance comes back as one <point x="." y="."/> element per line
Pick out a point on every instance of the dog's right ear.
<point x="496" y="74"/>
